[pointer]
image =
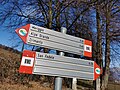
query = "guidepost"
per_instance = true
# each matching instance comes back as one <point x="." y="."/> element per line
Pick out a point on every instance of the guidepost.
<point x="58" y="80"/>
<point x="33" y="62"/>
<point x="56" y="65"/>
<point x="43" y="37"/>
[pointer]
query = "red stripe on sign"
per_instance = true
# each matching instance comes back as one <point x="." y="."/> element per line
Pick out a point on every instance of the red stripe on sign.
<point x="97" y="71"/>
<point x="27" y="62"/>
<point x="87" y="42"/>
<point x="25" y="69"/>
<point x="23" y="32"/>
<point x="87" y="54"/>
<point x="87" y="48"/>
<point x="29" y="53"/>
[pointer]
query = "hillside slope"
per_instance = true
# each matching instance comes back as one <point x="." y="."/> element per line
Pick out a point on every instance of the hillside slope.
<point x="9" y="59"/>
<point x="10" y="79"/>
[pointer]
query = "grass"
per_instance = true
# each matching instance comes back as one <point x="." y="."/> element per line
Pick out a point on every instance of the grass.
<point x="17" y="87"/>
<point x="9" y="63"/>
<point x="113" y="86"/>
<point x="88" y="85"/>
<point x="33" y="86"/>
<point x="37" y="86"/>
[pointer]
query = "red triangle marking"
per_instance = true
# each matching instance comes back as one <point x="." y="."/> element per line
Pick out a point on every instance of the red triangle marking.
<point x="96" y="75"/>
<point x="23" y="37"/>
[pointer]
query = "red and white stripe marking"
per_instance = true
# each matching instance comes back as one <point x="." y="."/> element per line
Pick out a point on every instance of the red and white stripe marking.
<point x="27" y="62"/>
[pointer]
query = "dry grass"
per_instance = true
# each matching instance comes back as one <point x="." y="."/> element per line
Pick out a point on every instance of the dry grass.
<point x="10" y="77"/>
<point x="113" y="86"/>
<point x="35" y="86"/>
<point x="8" y="54"/>
<point x="12" y="80"/>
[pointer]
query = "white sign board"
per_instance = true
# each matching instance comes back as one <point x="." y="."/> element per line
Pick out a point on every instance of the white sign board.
<point x="39" y="36"/>
<point x="55" y="65"/>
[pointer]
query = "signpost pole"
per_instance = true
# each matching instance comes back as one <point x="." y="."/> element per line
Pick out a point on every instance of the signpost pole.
<point x="56" y="65"/>
<point x="98" y="83"/>
<point x="74" y="83"/>
<point x="58" y="80"/>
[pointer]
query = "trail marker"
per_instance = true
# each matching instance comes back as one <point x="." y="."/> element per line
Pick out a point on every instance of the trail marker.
<point x="43" y="37"/>
<point x="54" y="65"/>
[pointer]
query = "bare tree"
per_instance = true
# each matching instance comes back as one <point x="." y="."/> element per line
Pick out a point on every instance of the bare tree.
<point x="76" y="16"/>
<point x="109" y="28"/>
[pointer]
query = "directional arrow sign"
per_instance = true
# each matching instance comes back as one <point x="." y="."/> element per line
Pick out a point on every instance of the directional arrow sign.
<point x="54" y="65"/>
<point x="39" y="36"/>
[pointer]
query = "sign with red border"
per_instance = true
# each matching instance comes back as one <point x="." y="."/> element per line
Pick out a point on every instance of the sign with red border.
<point x="54" y="65"/>
<point x="39" y="36"/>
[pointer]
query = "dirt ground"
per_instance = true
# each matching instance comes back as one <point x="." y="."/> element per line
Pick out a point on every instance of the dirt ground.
<point x="23" y="87"/>
<point x="32" y="86"/>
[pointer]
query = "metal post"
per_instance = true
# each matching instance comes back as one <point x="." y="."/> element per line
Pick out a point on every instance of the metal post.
<point x="58" y="80"/>
<point x="74" y="84"/>
<point x="98" y="83"/>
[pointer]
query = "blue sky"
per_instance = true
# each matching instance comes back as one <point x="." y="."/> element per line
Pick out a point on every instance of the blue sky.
<point x="8" y="39"/>
<point x="4" y="34"/>
<point x="5" y="37"/>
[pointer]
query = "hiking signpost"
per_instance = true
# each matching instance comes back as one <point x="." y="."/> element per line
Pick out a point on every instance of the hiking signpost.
<point x="43" y="37"/>
<point x="55" y="65"/>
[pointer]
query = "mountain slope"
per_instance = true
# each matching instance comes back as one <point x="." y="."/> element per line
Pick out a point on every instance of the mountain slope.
<point x="10" y="78"/>
<point x="9" y="63"/>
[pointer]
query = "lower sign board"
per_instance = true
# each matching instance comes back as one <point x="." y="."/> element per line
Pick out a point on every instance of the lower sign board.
<point x="54" y="65"/>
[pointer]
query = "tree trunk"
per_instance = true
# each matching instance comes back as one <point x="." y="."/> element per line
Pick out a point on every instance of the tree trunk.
<point x="58" y="7"/>
<point x="107" y="50"/>
<point x="50" y="15"/>
<point x="49" y="23"/>
<point x="99" y="44"/>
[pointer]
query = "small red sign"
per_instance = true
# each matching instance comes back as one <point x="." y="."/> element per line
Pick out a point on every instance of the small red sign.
<point x="23" y="32"/>
<point x="97" y="71"/>
<point x="87" y="48"/>
<point x="27" y="62"/>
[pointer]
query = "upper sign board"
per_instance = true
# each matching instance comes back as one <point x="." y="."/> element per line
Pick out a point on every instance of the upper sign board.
<point x="54" y="65"/>
<point x="43" y="37"/>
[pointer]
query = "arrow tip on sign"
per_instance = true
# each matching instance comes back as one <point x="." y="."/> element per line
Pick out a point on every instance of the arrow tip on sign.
<point x="97" y="71"/>
<point x="23" y="32"/>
